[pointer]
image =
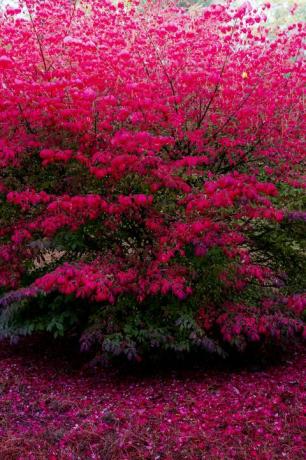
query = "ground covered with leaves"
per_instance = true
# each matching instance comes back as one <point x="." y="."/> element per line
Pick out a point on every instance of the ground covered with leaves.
<point x="51" y="409"/>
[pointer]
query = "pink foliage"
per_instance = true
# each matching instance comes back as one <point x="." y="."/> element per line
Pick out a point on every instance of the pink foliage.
<point x="203" y="111"/>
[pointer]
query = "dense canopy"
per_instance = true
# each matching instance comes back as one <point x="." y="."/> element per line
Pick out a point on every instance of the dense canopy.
<point x="151" y="175"/>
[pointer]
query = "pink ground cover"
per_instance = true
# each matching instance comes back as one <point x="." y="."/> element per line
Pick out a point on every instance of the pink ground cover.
<point x="51" y="410"/>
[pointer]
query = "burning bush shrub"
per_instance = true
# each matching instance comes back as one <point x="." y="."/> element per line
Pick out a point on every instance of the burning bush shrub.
<point x="151" y="186"/>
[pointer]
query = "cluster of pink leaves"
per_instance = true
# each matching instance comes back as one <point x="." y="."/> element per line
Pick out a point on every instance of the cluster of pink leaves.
<point x="50" y="411"/>
<point x="159" y="94"/>
<point x="105" y="283"/>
